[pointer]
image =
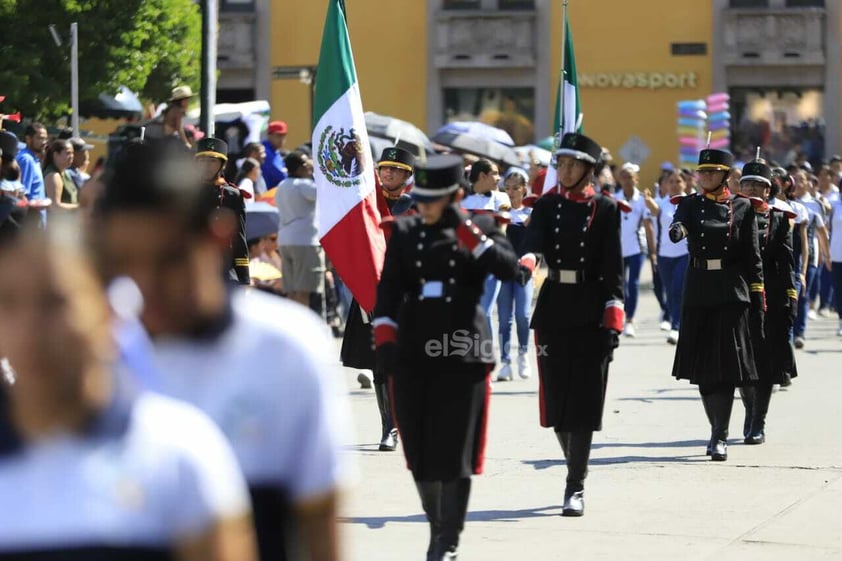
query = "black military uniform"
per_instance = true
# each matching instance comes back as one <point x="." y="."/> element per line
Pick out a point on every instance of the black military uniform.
<point x="579" y="312"/>
<point x="358" y="341"/>
<point x="433" y="341"/>
<point x="724" y="282"/>
<point x="228" y="196"/>
<point x="773" y="352"/>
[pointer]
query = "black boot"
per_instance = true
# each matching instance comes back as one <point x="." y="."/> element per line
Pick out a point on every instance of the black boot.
<point x="748" y="394"/>
<point x="711" y="421"/>
<point x="454" y="510"/>
<point x="389" y="434"/>
<point x="578" y="454"/>
<point x="762" y="397"/>
<point x="719" y="404"/>
<point x="430" y="493"/>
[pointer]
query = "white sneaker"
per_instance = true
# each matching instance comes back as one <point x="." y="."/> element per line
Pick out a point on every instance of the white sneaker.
<point x="672" y="338"/>
<point x="799" y="342"/>
<point x="824" y="312"/>
<point x="522" y="366"/>
<point x="505" y="374"/>
<point x="629" y="330"/>
<point x="365" y="379"/>
<point x="665" y="325"/>
<point x="839" y="333"/>
<point x="812" y="315"/>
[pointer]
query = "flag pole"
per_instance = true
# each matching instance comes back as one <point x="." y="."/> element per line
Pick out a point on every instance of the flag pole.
<point x="561" y="87"/>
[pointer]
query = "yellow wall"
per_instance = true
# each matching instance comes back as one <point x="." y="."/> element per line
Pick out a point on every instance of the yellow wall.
<point x="390" y="51"/>
<point x="617" y="36"/>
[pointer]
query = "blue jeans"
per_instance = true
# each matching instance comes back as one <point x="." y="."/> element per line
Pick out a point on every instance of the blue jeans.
<point x="632" y="265"/>
<point x="489" y="296"/>
<point x="512" y="292"/>
<point x="826" y="288"/>
<point x="804" y="302"/>
<point x="836" y="270"/>
<point x="661" y="291"/>
<point x="672" y="270"/>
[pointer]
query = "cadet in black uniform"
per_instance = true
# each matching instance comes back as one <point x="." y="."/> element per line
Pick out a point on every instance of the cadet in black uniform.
<point x="394" y="170"/>
<point x="773" y="353"/>
<point x="433" y="341"/>
<point x="579" y="312"/>
<point x="723" y="292"/>
<point x="212" y="153"/>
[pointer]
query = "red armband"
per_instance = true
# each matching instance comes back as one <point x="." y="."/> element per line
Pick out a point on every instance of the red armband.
<point x="385" y="333"/>
<point x="614" y="316"/>
<point x="470" y="235"/>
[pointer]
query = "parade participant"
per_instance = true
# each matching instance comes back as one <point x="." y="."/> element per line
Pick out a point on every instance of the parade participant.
<point x="723" y="292"/>
<point x="579" y="312"/>
<point x="393" y="170"/>
<point x="255" y="363"/>
<point x="637" y="234"/>
<point x="836" y="256"/>
<point x="90" y="468"/>
<point x="211" y="154"/>
<point x="773" y="355"/>
<point x="672" y="257"/>
<point x="516" y="295"/>
<point x="486" y="198"/>
<point x="433" y="342"/>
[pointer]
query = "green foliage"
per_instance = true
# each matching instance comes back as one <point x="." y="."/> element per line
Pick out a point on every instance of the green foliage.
<point x="149" y="46"/>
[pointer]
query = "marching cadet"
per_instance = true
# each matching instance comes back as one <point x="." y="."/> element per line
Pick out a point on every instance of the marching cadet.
<point x="434" y="343"/>
<point x="773" y="352"/>
<point x="212" y="154"/>
<point x="579" y="313"/>
<point x="723" y="293"/>
<point x="394" y="170"/>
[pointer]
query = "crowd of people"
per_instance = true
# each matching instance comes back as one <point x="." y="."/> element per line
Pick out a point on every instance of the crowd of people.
<point x="224" y="424"/>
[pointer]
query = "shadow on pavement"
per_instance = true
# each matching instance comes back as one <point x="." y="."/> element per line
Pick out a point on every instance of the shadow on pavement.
<point x="374" y="522"/>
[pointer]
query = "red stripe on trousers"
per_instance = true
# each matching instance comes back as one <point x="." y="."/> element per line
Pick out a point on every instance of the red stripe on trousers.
<point x="483" y="424"/>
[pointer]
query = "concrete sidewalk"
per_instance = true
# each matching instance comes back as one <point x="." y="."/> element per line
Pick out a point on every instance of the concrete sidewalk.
<point x="651" y="494"/>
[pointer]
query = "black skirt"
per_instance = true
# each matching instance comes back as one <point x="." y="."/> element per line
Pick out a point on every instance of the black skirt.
<point x="715" y="346"/>
<point x="442" y="417"/>
<point x="572" y="377"/>
<point x="776" y="348"/>
<point x="358" y="341"/>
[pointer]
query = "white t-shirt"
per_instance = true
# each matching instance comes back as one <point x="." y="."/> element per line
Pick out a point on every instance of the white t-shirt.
<point x="492" y="200"/>
<point x="269" y="381"/>
<point x="520" y="215"/>
<point x="247" y="185"/>
<point x="836" y="232"/>
<point x="633" y="237"/>
<point x="815" y="220"/>
<point x="150" y="472"/>
<point x="666" y="247"/>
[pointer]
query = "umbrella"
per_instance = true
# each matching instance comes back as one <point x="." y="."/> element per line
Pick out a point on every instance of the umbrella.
<point x="479" y="130"/>
<point x="124" y="104"/>
<point x="481" y="147"/>
<point x="262" y="219"/>
<point x="408" y="135"/>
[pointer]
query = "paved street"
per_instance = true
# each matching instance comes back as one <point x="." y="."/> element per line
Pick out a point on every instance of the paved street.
<point x="651" y="493"/>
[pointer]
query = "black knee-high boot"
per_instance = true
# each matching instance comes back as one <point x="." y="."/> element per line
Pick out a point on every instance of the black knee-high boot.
<point x="718" y="405"/>
<point x="454" y="510"/>
<point x="389" y="434"/>
<point x="578" y="455"/>
<point x="430" y="493"/>
<point x="762" y="397"/>
<point x="748" y="395"/>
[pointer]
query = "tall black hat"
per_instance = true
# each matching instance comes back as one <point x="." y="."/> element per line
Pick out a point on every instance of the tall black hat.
<point x="757" y="170"/>
<point x="213" y="147"/>
<point x="8" y="145"/>
<point x="716" y="160"/>
<point x="395" y="157"/>
<point x="580" y="147"/>
<point x="437" y="177"/>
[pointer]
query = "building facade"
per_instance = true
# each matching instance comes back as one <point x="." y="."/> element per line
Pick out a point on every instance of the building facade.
<point x="498" y="60"/>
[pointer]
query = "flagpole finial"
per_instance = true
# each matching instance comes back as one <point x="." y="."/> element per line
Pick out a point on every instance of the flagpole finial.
<point x="708" y="143"/>
<point x="757" y="155"/>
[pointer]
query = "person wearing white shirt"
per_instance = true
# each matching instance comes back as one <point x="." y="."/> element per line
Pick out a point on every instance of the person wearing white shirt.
<point x="485" y="198"/>
<point x="827" y="193"/>
<point x="836" y="256"/>
<point x="247" y="176"/>
<point x="634" y="226"/>
<point x="672" y="256"/>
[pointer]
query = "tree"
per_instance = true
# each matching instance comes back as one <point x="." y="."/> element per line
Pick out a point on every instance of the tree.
<point x="149" y="46"/>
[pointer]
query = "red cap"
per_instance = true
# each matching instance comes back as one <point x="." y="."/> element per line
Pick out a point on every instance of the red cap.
<point x="277" y="127"/>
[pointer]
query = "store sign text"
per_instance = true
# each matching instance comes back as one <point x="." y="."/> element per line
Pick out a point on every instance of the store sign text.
<point x="644" y="80"/>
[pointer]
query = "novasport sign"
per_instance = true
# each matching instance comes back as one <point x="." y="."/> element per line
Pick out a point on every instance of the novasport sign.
<point x="642" y="80"/>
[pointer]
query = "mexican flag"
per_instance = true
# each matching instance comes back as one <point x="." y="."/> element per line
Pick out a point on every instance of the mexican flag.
<point x="349" y="223"/>
<point x="567" y="120"/>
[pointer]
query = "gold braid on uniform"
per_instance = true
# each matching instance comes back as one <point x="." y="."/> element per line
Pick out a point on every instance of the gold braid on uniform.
<point x="390" y="196"/>
<point x="756" y="287"/>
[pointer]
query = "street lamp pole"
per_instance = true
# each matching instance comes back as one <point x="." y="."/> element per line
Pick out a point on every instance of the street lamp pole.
<point x="208" y="93"/>
<point x="74" y="77"/>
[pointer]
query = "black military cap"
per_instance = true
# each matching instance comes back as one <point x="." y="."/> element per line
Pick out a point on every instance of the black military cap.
<point x="437" y="177"/>
<point x="395" y="157"/>
<point x="580" y="147"/>
<point x="212" y="147"/>
<point x="716" y="160"/>
<point x="8" y="145"/>
<point x="757" y="170"/>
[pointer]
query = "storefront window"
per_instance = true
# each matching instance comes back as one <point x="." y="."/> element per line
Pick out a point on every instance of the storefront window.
<point x="511" y="109"/>
<point x="783" y="122"/>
